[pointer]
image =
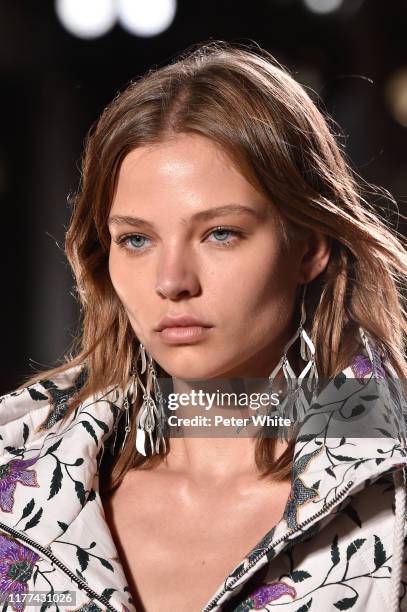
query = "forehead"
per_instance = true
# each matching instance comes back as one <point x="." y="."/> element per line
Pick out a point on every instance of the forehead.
<point x="187" y="167"/>
<point x="180" y="156"/>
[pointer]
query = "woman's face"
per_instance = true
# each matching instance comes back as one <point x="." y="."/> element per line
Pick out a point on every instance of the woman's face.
<point x="199" y="240"/>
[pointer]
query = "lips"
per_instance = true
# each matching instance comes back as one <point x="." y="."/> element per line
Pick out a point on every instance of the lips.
<point x="181" y="321"/>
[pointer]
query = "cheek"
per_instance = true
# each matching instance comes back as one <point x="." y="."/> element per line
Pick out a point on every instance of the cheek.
<point x="264" y="293"/>
<point x="128" y="291"/>
<point x="117" y="275"/>
<point x="131" y="284"/>
<point x="268" y="277"/>
<point x="123" y="280"/>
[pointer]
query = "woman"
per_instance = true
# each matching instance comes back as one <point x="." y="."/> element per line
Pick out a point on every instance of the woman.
<point x="213" y="193"/>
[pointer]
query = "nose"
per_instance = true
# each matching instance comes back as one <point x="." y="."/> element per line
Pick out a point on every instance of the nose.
<point x="177" y="276"/>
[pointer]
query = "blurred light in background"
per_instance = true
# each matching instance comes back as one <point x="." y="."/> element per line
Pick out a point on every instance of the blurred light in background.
<point x="87" y="18"/>
<point x="323" y="6"/>
<point x="146" y="18"/>
<point x="93" y="18"/>
<point x="396" y="95"/>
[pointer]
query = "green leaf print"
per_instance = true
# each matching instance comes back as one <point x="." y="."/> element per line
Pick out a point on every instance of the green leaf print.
<point x="28" y="509"/>
<point x="335" y="556"/>
<point x="56" y="481"/>
<point x="379" y="552"/>
<point x="89" y="429"/>
<point x="34" y="520"/>
<point x="346" y="603"/>
<point x="83" y="558"/>
<point x="80" y="491"/>
<point x="106" y="564"/>
<point x="53" y="448"/>
<point x="299" y="575"/>
<point x="305" y="607"/>
<point x="357" y="410"/>
<point x="339" y="380"/>
<point x="354" y="547"/>
<point x="36" y="395"/>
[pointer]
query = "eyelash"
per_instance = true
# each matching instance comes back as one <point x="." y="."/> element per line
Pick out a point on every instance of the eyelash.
<point x="122" y="241"/>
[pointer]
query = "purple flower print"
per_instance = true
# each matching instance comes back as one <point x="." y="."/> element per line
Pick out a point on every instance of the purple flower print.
<point x="267" y="593"/>
<point x="362" y="366"/>
<point x="16" y="568"/>
<point x="12" y="472"/>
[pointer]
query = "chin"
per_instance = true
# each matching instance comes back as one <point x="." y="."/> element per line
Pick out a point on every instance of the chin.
<point x="192" y="371"/>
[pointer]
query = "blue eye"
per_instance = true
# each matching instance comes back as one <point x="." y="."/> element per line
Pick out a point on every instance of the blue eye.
<point x="223" y="232"/>
<point x="225" y="236"/>
<point x="137" y="242"/>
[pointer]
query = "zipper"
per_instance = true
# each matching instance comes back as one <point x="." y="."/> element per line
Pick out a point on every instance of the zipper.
<point x="283" y="538"/>
<point x="81" y="583"/>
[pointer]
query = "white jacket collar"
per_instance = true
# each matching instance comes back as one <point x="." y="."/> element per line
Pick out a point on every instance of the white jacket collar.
<point x="49" y="481"/>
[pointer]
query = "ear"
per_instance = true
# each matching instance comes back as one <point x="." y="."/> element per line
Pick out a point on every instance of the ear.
<point x="317" y="250"/>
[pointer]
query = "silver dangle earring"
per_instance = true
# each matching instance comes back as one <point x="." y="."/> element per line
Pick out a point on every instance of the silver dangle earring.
<point x="294" y="406"/>
<point x="130" y="396"/>
<point x="151" y="414"/>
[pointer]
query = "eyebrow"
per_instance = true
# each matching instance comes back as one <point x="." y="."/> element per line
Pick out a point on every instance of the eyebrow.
<point x="203" y="215"/>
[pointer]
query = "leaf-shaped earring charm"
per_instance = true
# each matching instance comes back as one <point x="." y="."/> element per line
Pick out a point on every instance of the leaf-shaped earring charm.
<point x="294" y="384"/>
<point x="142" y="354"/>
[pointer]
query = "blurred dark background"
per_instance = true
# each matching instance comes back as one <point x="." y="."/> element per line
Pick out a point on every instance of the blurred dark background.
<point x="56" y="79"/>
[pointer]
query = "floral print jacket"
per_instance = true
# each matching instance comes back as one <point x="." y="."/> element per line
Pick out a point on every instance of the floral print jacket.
<point x="340" y="544"/>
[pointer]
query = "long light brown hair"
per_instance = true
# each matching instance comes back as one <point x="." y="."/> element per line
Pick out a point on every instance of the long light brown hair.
<point x="244" y="100"/>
